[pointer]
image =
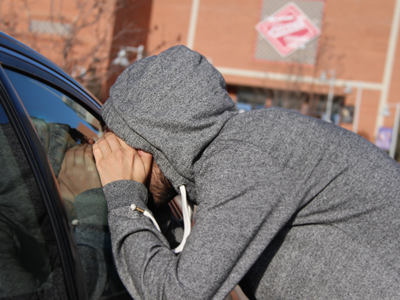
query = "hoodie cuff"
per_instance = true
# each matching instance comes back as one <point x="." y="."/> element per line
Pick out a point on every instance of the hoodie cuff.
<point x="123" y="193"/>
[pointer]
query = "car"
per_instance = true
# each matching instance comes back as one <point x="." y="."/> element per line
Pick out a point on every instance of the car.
<point x="49" y="248"/>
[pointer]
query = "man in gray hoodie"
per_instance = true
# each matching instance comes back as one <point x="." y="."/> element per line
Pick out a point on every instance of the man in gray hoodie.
<point x="289" y="206"/>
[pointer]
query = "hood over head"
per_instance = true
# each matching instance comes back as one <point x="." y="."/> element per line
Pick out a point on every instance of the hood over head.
<point x="172" y="106"/>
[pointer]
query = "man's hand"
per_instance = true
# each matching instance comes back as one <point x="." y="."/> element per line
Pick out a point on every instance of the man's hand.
<point x="78" y="172"/>
<point x="116" y="160"/>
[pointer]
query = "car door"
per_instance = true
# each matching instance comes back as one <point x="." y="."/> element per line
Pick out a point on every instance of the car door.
<point x="54" y="246"/>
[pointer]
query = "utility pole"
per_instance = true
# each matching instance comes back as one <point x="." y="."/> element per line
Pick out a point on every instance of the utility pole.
<point x="331" y="94"/>
<point x="395" y="132"/>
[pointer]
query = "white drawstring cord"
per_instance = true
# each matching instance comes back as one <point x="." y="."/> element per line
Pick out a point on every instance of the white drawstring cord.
<point x="187" y="217"/>
<point x="147" y="214"/>
<point x="187" y="212"/>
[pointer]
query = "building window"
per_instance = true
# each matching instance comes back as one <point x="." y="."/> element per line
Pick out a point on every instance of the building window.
<point x="250" y="98"/>
<point x="37" y="26"/>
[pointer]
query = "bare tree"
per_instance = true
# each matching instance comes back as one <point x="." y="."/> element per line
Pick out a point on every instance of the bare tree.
<point x="76" y="34"/>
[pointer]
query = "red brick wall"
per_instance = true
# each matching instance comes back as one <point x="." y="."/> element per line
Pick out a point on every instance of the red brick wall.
<point x="354" y="41"/>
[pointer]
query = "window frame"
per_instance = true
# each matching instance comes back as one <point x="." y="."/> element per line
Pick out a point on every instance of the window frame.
<point x="36" y="155"/>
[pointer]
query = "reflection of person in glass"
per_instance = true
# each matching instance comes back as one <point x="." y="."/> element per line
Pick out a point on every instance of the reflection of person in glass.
<point x="80" y="189"/>
<point x="29" y="260"/>
<point x="78" y="173"/>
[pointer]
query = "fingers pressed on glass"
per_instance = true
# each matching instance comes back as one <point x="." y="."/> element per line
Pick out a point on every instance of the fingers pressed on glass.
<point x="69" y="157"/>
<point x="80" y="155"/>
<point x="89" y="160"/>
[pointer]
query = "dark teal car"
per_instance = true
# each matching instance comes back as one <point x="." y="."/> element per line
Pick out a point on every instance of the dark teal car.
<point x="49" y="248"/>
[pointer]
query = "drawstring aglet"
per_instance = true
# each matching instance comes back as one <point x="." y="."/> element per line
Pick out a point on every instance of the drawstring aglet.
<point x="147" y="214"/>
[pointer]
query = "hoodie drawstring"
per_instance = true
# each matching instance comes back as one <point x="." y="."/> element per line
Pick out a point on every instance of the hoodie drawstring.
<point x="187" y="219"/>
<point x="147" y="214"/>
<point x="187" y="213"/>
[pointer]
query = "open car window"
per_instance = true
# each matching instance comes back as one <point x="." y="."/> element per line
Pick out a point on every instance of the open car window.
<point x="64" y="127"/>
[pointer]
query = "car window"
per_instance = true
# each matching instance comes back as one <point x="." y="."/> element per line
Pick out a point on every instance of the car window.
<point x="30" y="266"/>
<point x="64" y="127"/>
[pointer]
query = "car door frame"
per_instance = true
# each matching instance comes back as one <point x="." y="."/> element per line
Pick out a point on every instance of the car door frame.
<point x="35" y="152"/>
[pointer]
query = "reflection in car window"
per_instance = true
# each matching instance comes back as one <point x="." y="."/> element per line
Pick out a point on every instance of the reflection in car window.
<point x="64" y="128"/>
<point x="30" y="265"/>
<point x="44" y="102"/>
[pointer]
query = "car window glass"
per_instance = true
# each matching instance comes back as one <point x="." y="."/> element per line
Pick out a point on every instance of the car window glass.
<point x="64" y="127"/>
<point x="30" y="266"/>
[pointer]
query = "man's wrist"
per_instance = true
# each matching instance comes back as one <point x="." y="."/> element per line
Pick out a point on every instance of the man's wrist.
<point x="125" y="192"/>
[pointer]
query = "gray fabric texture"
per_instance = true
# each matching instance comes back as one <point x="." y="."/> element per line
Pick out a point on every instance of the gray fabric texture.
<point x="289" y="206"/>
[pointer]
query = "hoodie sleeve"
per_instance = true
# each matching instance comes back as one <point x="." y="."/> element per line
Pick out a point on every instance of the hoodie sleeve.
<point x="144" y="260"/>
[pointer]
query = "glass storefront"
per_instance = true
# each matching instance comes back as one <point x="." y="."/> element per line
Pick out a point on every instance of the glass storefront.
<point x="250" y="98"/>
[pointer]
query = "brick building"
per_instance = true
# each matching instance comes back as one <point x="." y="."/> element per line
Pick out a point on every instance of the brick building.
<point x="352" y="61"/>
<point x="76" y="35"/>
<point x="356" y="54"/>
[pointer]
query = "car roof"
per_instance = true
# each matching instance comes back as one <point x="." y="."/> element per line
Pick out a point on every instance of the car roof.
<point x="14" y="45"/>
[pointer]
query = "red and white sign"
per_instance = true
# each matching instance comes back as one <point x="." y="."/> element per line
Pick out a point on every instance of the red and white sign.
<point x="288" y="29"/>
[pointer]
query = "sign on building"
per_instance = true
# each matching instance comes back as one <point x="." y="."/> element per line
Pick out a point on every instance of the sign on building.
<point x="384" y="138"/>
<point x="288" y="29"/>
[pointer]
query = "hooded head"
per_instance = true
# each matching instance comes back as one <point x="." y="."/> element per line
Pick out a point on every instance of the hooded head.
<point x="172" y="106"/>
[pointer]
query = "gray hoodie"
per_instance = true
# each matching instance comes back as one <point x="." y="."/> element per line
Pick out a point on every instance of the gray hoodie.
<point x="289" y="206"/>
